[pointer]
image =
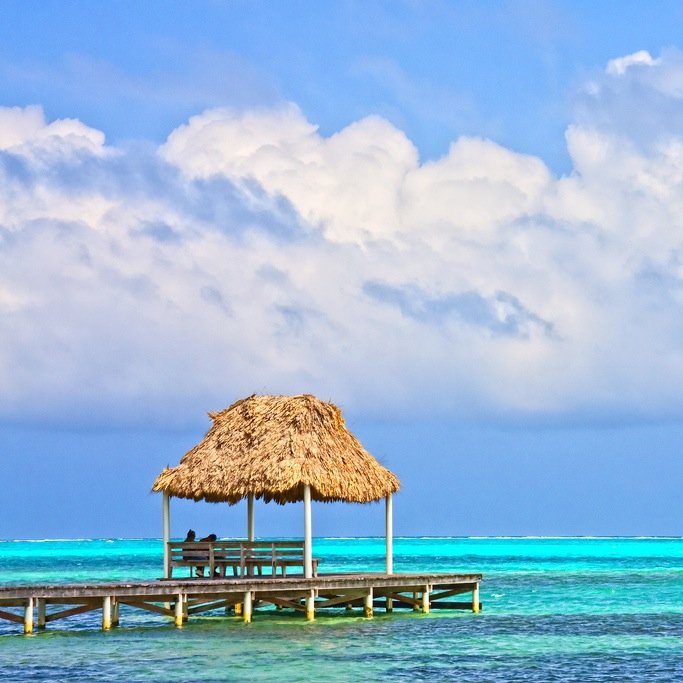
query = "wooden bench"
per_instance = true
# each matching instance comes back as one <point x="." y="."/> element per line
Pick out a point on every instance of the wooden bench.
<point x="278" y="555"/>
<point x="241" y="558"/>
<point x="218" y="555"/>
<point x="290" y="554"/>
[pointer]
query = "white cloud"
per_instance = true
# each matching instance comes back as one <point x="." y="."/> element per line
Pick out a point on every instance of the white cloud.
<point x="18" y="125"/>
<point x="345" y="184"/>
<point x="26" y="127"/>
<point x="637" y="99"/>
<point x="621" y="64"/>
<point x="252" y="253"/>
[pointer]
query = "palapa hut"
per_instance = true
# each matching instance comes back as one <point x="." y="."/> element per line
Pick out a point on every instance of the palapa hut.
<point x="280" y="448"/>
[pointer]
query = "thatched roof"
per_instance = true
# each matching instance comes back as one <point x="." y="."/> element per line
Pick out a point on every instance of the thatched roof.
<point x="270" y="447"/>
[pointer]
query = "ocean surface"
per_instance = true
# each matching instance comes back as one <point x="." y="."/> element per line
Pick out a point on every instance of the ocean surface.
<point x="555" y="609"/>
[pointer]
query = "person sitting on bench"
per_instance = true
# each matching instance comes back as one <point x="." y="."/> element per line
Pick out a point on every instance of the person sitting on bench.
<point x="199" y="569"/>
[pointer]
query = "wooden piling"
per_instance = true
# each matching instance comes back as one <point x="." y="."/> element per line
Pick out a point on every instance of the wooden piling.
<point x="425" y="600"/>
<point x="246" y="607"/>
<point x="106" y="612"/>
<point x="367" y="604"/>
<point x="28" y="617"/>
<point x="475" y="598"/>
<point x="310" y="606"/>
<point x="41" y="613"/>
<point x="179" y="610"/>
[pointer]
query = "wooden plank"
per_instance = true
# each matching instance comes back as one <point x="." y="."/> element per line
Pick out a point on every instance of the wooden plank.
<point x="450" y="593"/>
<point x="404" y="600"/>
<point x="11" y="617"/>
<point x="442" y="604"/>
<point x="79" y="609"/>
<point x="341" y="599"/>
<point x="209" y="606"/>
<point x="149" y="607"/>
<point x="284" y="602"/>
<point x="450" y="604"/>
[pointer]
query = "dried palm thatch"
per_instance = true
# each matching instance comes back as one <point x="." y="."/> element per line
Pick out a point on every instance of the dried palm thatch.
<point x="271" y="447"/>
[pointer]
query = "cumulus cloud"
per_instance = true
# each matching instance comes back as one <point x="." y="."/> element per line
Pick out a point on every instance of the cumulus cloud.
<point x="323" y="178"/>
<point x="619" y="65"/>
<point x="251" y="253"/>
<point x="637" y="100"/>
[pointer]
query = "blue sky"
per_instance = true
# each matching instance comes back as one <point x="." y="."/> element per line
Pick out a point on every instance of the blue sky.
<point x="459" y="221"/>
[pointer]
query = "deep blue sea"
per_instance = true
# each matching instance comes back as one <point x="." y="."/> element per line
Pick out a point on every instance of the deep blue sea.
<point x="555" y="609"/>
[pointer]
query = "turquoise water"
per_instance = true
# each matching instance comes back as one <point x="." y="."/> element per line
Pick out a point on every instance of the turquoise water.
<point x="608" y="609"/>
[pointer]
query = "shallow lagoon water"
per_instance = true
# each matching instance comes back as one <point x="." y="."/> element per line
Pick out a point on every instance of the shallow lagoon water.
<point x="554" y="610"/>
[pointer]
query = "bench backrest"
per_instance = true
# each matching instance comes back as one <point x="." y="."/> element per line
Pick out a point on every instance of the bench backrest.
<point x="234" y="551"/>
<point x="180" y="552"/>
<point x="264" y="551"/>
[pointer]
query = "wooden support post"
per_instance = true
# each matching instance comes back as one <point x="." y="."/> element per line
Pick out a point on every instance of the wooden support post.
<point x="106" y="612"/>
<point x="179" y="609"/>
<point x="186" y="613"/>
<point x="238" y="609"/>
<point x="390" y="604"/>
<point x="367" y="604"/>
<point x="115" y="612"/>
<point x="28" y="617"/>
<point x="475" y="598"/>
<point x="425" y="600"/>
<point x="246" y="610"/>
<point x="250" y="517"/>
<point x="308" y="536"/>
<point x="310" y="606"/>
<point x="389" y="523"/>
<point x="415" y="607"/>
<point x="166" y="523"/>
<point x="41" y="613"/>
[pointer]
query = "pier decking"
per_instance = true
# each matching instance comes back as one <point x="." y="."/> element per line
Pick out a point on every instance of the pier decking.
<point x="180" y="599"/>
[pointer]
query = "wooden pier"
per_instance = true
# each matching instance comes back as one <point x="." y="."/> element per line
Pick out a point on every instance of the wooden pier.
<point x="40" y="604"/>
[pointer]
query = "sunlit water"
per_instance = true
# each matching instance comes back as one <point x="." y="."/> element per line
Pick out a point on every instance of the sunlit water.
<point x="608" y="609"/>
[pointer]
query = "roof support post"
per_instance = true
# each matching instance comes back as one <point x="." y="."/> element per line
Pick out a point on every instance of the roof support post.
<point x="308" y="536"/>
<point x="250" y="517"/>
<point x="389" y="522"/>
<point x="166" y="514"/>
